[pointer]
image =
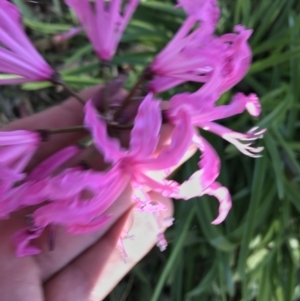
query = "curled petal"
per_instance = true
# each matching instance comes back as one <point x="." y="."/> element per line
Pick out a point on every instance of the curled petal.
<point x="145" y="133"/>
<point x="181" y="140"/>
<point x="239" y="58"/>
<point x="223" y="196"/>
<point x="209" y="161"/>
<point x="237" y="139"/>
<point x="109" y="147"/>
<point x="253" y="105"/>
<point x="239" y="104"/>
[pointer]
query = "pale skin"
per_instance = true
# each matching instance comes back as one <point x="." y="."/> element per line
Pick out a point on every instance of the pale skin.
<point x="82" y="267"/>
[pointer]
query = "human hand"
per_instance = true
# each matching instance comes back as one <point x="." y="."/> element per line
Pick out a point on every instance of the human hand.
<point x="81" y="267"/>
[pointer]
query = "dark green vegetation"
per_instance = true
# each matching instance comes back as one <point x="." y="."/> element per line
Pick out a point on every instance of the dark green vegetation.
<point x="255" y="253"/>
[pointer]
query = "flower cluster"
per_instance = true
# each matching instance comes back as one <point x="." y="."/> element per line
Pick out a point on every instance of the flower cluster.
<point x="78" y="197"/>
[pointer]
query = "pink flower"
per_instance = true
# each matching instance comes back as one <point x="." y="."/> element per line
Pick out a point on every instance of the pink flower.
<point x="202" y="107"/>
<point x="17" y="55"/>
<point x="199" y="56"/>
<point x="104" y="23"/>
<point x="140" y="160"/>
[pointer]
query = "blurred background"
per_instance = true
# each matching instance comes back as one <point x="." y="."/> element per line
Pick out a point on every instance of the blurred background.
<point x="255" y="253"/>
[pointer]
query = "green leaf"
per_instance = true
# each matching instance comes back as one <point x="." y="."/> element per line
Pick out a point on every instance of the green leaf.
<point x="172" y="259"/>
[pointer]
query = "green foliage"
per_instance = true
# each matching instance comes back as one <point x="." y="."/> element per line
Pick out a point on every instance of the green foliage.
<point x="254" y="254"/>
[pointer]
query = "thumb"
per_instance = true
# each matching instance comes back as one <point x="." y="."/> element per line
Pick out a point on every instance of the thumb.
<point x="97" y="271"/>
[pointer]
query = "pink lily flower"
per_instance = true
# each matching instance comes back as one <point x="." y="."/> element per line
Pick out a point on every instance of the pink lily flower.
<point x="199" y="56"/>
<point x="104" y="23"/>
<point x="139" y="160"/>
<point x="17" y="54"/>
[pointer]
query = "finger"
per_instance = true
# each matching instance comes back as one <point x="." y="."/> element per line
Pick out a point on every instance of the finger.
<point x="68" y="246"/>
<point x="95" y="273"/>
<point x="19" y="277"/>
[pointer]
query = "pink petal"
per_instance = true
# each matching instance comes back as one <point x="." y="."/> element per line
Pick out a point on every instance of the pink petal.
<point x="145" y="133"/>
<point x="223" y="196"/>
<point x="238" y="105"/>
<point x="209" y="161"/>
<point x="17" y="148"/>
<point x="25" y="195"/>
<point x="18" y="52"/>
<point x="62" y="186"/>
<point x="109" y="147"/>
<point x="241" y="141"/>
<point x="104" y="24"/>
<point x="48" y="166"/>
<point x="240" y="59"/>
<point x="163" y="83"/>
<point x="76" y="211"/>
<point x="180" y="141"/>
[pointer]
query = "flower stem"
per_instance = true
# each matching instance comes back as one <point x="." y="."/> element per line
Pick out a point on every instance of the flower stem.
<point x="77" y="128"/>
<point x="72" y="92"/>
<point x="57" y="80"/>
<point x="105" y="75"/>
<point x="144" y="76"/>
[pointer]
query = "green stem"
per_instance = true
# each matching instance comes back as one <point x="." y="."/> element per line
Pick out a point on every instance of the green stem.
<point x="127" y="100"/>
<point x="72" y="92"/>
<point x="57" y="80"/>
<point x="105" y="75"/>
<point x="77" y="128"/>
